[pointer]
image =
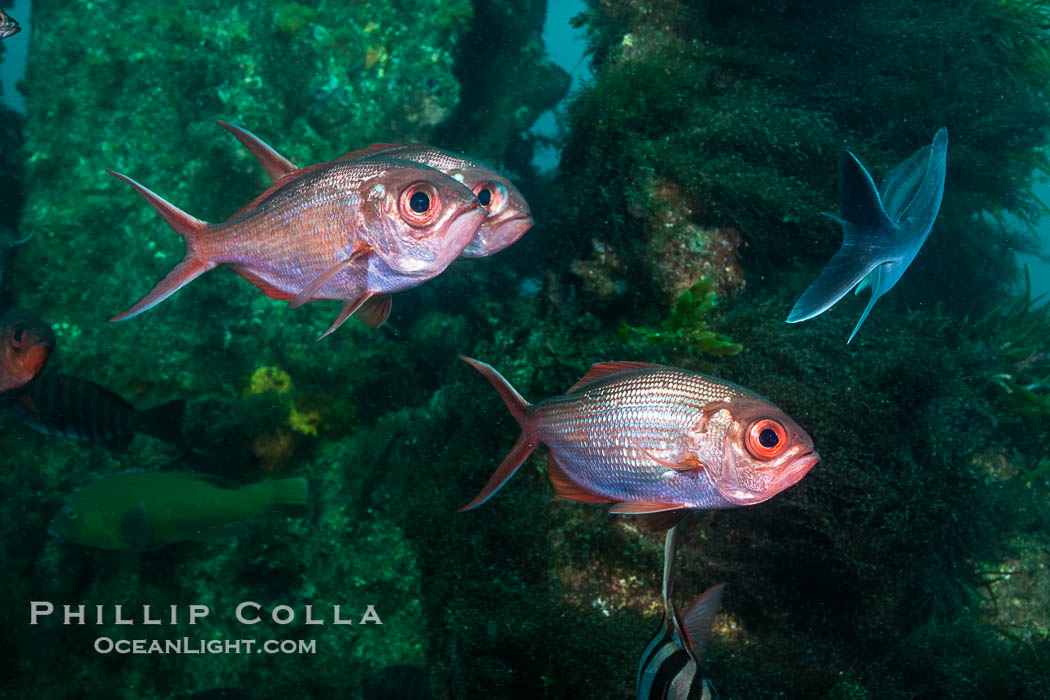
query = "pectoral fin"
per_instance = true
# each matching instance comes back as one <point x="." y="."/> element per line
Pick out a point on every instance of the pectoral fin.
<point x="134" y="527"/>
<point x="324" y="278"/>
<point x="688" y="464"/>
<point x="874" y="281"/>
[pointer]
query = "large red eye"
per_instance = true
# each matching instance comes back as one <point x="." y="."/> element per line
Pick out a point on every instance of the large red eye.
<point x="766" y="438"/>
<point x="491" y="195"/>
<point x="420" y="204"/>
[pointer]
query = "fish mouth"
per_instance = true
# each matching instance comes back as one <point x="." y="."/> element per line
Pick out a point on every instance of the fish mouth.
<point x="494" y="236"/>
<point x="795" y="470"/>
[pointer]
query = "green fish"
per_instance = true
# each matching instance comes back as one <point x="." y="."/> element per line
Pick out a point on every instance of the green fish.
<point x="146" y="510"/>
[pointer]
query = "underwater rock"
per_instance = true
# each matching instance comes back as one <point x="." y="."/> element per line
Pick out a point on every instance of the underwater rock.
<point x="601" y="274"/>
<point x="679" y="252"/>
<point x="142" y="92"/>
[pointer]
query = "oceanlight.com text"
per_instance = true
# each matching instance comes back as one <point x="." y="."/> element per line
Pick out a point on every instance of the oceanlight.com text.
<point x="185" y="645"/>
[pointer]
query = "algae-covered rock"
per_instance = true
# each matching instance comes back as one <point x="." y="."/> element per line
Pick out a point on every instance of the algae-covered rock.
<point x="738" y="114"/>
<point x="140" y="94"/>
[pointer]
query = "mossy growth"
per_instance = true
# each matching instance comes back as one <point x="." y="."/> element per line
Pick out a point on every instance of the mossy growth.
<point x="748" y="108"/>
<point x="293" y="18"/>
<point x="1014" y="392"/>
<point x="687" y="327"/>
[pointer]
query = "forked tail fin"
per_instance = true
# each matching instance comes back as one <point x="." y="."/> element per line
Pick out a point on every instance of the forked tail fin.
<point x="191" y="267"/>
<point x="869" y="239"/>
<point x="519" y="408"/>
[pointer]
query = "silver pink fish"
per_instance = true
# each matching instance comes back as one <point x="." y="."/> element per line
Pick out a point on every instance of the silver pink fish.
<point x="509" y="216"/>
<point x="655" y="440"/>
<point x="355" y="231"/>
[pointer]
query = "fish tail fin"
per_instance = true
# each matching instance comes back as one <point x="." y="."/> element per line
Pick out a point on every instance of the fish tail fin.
<point x="163" y="422"/>
<point x="519" y="408"/>
<point x="868" y="238"/>
<point x="289" y="497"/>
<point x="192" y="266"/>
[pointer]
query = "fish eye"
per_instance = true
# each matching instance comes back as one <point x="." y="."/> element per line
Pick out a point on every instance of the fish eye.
<point x="766" y="438"/>
<point x="18" y="336"/>
<point x="69" y="513"/>
<point x="420" y="204"/>
<point x="491" y="195"/>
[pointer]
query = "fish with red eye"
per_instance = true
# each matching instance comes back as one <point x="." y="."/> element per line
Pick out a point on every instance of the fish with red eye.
<point x="354" y="231"/>
<point x="26" y="342"/>
<point x="508" y="214"/>
<point x="655" y="441"/>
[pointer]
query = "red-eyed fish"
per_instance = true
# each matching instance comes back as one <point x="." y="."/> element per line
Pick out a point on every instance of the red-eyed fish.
<point x="509" y="216"/>
<point x="25" y="344"/>
<point x="354" y="231"/>
<point x="79" y="409"/>
<point x="8" y="25"/>
<point x="672" y="665"/>
<point x="882" y="229"/>
<point x="655" y="440"/>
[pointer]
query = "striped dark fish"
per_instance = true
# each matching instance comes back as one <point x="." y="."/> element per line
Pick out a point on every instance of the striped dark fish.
<point x="671" y="667"/>
<point x="79" y="409"/>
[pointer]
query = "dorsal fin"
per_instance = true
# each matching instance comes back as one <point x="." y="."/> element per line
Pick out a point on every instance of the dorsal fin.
<point x="277" y="184"/>
<point x="603" y="369"/>
<point x="566" y="488"/>
<point x="698" y="619"/>
<point x="374" y="149"/>
<point x="274" y="163"/>
<point x="859" y="201"/>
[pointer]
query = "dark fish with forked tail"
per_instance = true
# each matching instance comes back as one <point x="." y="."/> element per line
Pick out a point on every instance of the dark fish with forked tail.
<point x="672" y="666"/>
<point x="882" y="229"/>
<point x="79" y="409"/>
<point x="655" y="441"/>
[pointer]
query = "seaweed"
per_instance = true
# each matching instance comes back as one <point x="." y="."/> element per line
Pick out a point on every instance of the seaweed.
<point x="1014" y="390"/>
<point x="687" y="327"/>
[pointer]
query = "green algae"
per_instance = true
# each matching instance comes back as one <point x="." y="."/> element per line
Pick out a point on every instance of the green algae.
<point x="687" y="327"/>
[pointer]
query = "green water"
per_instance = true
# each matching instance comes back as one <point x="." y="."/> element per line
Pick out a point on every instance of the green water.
<point x="699" y="156"/>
